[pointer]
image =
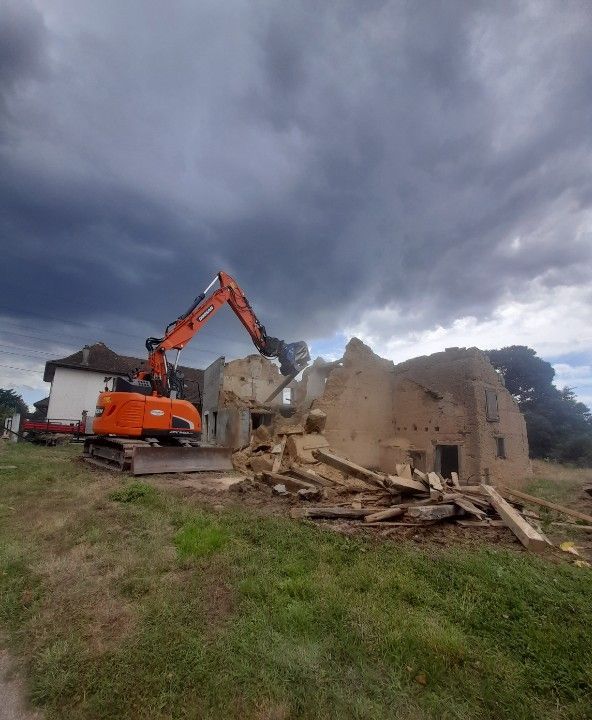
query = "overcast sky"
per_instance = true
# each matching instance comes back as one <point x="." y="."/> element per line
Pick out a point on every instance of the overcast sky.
<point x="417" y="174"/>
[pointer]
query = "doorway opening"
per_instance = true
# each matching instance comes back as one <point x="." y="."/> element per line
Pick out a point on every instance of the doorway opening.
<point x="446" y="460"/>
<point x="260" y="418"/>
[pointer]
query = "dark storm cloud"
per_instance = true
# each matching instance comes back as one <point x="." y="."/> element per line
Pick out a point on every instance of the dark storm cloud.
<point x="22" y="45"/>
<point x="430" y="156"/>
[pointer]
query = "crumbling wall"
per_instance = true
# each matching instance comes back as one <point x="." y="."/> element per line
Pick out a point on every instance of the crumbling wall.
<point x="458" y="377"/>
<point x="427" y="417"/>
<point x="358" y="402"/>
<point x="511" y="426"/>
<point x="250" y="381"/>
<point x="379" y="414"/>
<point x="314" y="379"/>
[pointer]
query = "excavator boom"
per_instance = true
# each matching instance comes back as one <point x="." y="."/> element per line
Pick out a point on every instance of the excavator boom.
<point x="293" y="357"/>
<point x="144" y="425"/>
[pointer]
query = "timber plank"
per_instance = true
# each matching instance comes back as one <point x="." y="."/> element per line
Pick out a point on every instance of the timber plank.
<point x="468" y="506"/>
<point x="343" y="513"/>
<point x="406" y="484"/>
<point x="277" y="462"/>
<point x="272" y="478"/>
<point x="528" y="536"/>
<point x="546" y="503"/>
<point x="384" y="514"/>
<point x="349" y="467"/>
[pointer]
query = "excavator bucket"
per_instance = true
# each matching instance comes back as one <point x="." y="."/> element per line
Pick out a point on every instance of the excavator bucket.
<point x="151" y="460"/>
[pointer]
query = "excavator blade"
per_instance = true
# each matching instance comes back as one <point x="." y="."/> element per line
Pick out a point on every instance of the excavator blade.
<point x="152" y="460"/>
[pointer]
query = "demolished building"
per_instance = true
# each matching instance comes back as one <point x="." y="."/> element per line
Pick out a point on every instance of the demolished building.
<point x="236" y="399"/>
<point x="446" y="413"/>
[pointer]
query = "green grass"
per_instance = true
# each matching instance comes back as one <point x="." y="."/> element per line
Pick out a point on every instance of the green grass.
<point x="558" y="483"/>
<point x="200" y="536"/>
<point x="159" y="609"/>
<point x="133" y="493"/>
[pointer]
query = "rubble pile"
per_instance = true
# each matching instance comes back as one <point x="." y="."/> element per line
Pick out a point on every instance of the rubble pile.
<point x="296" y="462"/>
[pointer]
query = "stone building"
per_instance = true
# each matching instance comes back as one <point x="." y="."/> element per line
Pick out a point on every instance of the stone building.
<point x="447" y="412"/>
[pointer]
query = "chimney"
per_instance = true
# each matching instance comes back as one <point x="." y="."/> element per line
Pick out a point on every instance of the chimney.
<point x="85" y="354"/>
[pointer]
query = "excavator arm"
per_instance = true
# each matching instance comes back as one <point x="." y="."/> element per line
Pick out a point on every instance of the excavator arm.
<point x="293" y="357"/>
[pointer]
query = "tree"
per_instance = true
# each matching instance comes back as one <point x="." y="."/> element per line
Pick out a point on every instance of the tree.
<point x="558" y="425"/>
<point x="11" y="403"/>
<point x="528" y="377"/>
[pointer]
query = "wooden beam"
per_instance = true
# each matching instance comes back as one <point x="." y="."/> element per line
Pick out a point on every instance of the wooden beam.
<point x="435" y="482"/>
<point x="309" y="476"/>
<point x="573" y="526"/>
<point x="277" y="462"/>
<point x="333" y="512"/>
<point x="523" y="530"/>
<point x="419" y="475"/>
<point x="349" y="467"/>
<point x="546" y="503"/>
<point x="477" y="489"/>
<point x="384" y="514"/>
<point x="271" y="479"/>
<point x="406" y="485"/>
<point x="431" y="512"/>
<point x="468" y="506"/>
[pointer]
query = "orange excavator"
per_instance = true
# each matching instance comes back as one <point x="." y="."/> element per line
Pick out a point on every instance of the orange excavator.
<point x="144" y="425"/>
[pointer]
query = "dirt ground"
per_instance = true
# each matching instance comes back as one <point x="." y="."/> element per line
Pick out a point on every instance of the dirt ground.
<point x="214" y="491"/>
<point x="12" y="693"/>
<point x="225" y="490"/>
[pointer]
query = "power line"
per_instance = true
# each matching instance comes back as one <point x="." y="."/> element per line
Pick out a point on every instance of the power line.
<point x="21" y="347"/>
<point x="111" y="330"/>
<point x="12" y="367"/>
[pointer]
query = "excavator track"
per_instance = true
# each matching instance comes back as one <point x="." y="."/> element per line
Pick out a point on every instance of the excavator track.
<point x="140" y="457"/>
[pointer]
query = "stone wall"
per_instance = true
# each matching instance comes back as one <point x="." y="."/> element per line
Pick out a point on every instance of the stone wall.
<point x="252" y="379"/>
<point x="358" y="401"/>
<point x="379" y="414"/>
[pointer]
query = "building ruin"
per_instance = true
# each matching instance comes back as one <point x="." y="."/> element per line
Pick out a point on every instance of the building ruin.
<point x="447" y="412"/>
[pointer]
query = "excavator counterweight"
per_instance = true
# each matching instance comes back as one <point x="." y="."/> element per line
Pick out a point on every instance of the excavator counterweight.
<point x="143" y="425"/>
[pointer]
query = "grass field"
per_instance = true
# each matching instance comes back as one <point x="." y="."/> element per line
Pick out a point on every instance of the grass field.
<point x="124" y="601"/>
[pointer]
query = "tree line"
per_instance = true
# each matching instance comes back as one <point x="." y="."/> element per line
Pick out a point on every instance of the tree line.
<point x="559" y="426"/>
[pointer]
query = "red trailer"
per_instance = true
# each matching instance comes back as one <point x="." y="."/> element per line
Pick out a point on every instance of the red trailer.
<point x="51" y="431"/>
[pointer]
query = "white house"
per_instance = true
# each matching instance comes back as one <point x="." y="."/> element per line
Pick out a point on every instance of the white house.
<point x="77" y="380"/>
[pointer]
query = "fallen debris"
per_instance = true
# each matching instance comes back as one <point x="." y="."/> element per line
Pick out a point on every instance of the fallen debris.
<point x="300" y="467"/>
<point x="279" y="489"/>
<point x="431" y="512"/>
<point x="527" y="535"/>
<point x="315" y="421"/>
<point x="332" y="512"/>
<point x="573" y="526"/>
<point x="546" y="503"/>
<point x="384" y="515"/>
<point x="271" y="478"/>
<point x="349" y="467"/>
